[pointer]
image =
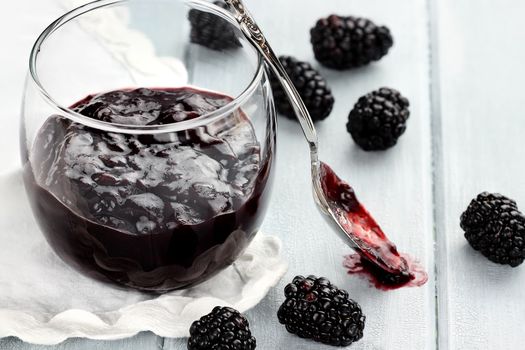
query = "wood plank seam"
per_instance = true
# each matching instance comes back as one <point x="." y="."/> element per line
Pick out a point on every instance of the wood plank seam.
<point x="161" y="342"/>
<point x="438" y="200"/>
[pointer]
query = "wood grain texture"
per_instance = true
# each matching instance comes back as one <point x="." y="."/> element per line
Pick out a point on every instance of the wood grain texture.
<point x="477" y="133"/>
<point x="395" y="185"/>
<point x="480" y="56"/>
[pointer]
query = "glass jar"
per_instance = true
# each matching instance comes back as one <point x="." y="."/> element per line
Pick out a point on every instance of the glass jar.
<point x="147" y="140"/>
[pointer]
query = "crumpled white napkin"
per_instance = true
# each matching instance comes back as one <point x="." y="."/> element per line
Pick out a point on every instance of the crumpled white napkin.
<point x="42" y="300"/>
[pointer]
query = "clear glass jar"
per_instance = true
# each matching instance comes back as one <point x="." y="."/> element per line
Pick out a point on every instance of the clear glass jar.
<point x="147" y="141"/>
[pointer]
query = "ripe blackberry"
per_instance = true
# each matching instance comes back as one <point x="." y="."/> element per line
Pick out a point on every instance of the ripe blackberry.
<point x="494" y="226"/>
<point x="349" y="42"/>
<point x="224" y="328"/>
<point x="312" y="87"/>
<point x="316" y="309"/>
<point x="378" y="119"/>
<point x="211" y="31"/>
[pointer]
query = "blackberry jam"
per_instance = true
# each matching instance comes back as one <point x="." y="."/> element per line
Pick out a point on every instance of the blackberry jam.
<point x="377" y="257"/>
<point x="155" y="212"/>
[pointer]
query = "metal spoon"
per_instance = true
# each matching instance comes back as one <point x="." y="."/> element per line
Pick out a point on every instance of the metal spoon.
<point x="335" y="199"/>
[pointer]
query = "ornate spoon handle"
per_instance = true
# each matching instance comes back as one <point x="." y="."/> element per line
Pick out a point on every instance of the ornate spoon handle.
<point x="253" y="33"/>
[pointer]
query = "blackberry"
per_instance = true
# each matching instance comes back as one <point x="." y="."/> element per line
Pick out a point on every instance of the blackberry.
<point x="224" y="328"/>
<point x="316" y="309"/>
<point x="312" y="87"/>
<point x="494" y="226"/>
<point x="378" y="119"/>
<point x="211" y="31"/>
<point x="349" y="42"/>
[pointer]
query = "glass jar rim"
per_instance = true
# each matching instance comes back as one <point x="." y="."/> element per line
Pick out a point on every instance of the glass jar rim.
<point x="139" y="129"/>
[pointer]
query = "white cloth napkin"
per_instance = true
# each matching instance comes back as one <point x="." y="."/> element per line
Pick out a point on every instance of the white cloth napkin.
<point x="42" y="300"/>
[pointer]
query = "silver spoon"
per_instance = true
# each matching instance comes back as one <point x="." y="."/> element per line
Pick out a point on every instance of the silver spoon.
<point x="335" y="199"/>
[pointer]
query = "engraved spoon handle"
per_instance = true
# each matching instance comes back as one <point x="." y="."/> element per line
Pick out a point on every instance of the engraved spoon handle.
<point x="253" y="33"/>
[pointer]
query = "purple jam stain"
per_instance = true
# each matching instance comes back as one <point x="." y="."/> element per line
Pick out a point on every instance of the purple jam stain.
<point x="356" y="264"/>
<point x="153" y="212"/>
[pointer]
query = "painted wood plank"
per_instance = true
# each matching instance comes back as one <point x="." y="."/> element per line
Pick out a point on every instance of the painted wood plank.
<point x="396" y="185"/>
<point x="142" y="341"/>
<point x="480" y="55"/>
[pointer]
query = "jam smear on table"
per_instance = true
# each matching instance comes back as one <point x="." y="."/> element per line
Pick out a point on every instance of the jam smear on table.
<point x="155" y="212"/>
<point x="357" y="265"/>
<point x="377" y="257"/>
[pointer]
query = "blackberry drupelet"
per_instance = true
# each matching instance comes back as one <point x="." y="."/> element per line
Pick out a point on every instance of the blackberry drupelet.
<point x="378" y="119"/>
<point x="349" y="42"/>
<point x="312" y="87"/>
<point x="494" y="226"/>
<point x="316" y="309"/>
<point x="224" y="328"/>
<point x="211" y="31"/>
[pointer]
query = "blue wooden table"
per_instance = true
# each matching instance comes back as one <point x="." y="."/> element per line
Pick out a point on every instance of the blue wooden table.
<point x="461" y="65"/>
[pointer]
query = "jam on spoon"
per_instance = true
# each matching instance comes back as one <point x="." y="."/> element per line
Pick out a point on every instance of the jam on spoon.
<point x="377" y="256"/>
<point x="355" y="219"/>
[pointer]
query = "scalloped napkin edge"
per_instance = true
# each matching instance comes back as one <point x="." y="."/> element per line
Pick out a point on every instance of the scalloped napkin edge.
<point x="168" y="315"/>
